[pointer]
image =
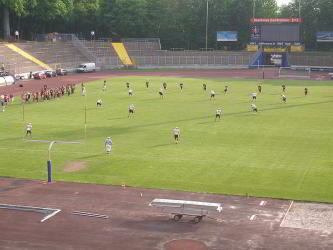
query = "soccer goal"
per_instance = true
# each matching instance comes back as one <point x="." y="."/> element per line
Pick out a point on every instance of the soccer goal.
<point x="295" y="72"/>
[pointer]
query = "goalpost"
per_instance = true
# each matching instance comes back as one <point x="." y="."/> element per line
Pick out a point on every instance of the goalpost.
<point x="295" y="72"/>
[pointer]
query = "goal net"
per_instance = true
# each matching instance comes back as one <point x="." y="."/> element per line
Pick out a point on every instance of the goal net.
<point x="294" y="72"/>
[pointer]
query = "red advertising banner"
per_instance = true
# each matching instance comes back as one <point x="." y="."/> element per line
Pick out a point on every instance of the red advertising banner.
<point x="276" y="20"/>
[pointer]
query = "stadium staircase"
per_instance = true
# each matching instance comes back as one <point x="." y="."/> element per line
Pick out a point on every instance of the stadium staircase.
<point x="122" y="54"/>
<point x="15" y="63"/>
<point x="27" y="56"/>
<point x="61" y="54"/>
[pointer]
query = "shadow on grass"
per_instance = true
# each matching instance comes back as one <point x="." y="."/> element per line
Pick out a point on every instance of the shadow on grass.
<point x="117" y="118"/>
<point x="78" y="134"/>
<point x="161" y="145"/>
<point x="90" y="156"/>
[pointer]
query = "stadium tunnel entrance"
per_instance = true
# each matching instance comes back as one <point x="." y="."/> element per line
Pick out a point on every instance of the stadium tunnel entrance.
<point x="278" y="59"/>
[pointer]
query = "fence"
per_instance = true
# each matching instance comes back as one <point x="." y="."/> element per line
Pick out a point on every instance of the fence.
<point x="225" y="60"/>
<point x="54" y="37"/>
<point x="179" y="61"/>
<point x="142" y="43"/>
<point x="311" y="60"/>
<point x="81" y="46"/>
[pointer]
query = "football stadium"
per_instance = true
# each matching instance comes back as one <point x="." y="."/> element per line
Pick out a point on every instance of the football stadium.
<point x="218" y="140"/>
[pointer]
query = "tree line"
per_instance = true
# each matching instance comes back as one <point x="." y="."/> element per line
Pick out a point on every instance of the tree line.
<point x="178" y="23"/>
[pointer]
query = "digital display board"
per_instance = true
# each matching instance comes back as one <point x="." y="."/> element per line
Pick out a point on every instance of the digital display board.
<point x="275" y="32"/>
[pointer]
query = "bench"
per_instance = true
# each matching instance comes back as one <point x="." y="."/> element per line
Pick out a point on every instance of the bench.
<point x="179" y="208"/>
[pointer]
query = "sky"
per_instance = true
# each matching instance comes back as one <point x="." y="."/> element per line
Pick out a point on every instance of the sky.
<point x="280" y="2"/>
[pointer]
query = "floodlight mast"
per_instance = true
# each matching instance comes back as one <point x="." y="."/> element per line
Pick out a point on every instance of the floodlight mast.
<point x="207" y="25"/>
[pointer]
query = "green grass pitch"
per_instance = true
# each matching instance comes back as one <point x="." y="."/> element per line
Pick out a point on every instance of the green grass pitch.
<point x="283" y="151"/>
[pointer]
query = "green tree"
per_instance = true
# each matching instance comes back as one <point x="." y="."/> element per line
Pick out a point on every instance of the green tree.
<point x="310" y="12"/>
<point x="84" y="16"/>
<point x="266" y="9"/>
<point x="7" y="6"/>
<point x="123" y="18"/>
<point x="41" y="17"/>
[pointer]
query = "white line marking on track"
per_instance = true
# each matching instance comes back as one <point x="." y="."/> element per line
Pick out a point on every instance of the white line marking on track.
<point x="50" y="215"/>
<point x="263" y="203"/>
<point x="252" y="217"/>
<point x="284" y="217"/>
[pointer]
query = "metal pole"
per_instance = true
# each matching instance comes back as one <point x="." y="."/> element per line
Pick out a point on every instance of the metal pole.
<point x="85" y="121"/>
<point x="49" y="164"/>
<point x="207" y="25"/>
<point x="23" y="109"/>
<point x="49" y="171"/>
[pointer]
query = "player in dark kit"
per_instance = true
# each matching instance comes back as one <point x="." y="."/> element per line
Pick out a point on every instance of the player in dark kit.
<point x="283" y="88"/>
<point x="161" y="93"/>
<point x="204" y="86"/>
<point x="259" y="88"/>
<point x="306" y="91"/>
<point x="104" y="85"/>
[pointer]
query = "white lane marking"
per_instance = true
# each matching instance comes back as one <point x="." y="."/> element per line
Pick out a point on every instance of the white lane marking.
<point x="263" y="203"/>
<point x="50" y="215"/>
<point x="34" y="209"/>
<point x="252" y="217"/>
<point x="285" y="215"/>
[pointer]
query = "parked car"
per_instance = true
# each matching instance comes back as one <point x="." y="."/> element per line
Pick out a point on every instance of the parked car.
<point x="39" y="75"/>
<point x="86" y="67"/>
<point x="50" y="73"/>
<point x="61" y="72"/>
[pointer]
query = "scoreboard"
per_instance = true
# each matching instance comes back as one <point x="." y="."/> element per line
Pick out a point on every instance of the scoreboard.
<point x="276" y="31"/>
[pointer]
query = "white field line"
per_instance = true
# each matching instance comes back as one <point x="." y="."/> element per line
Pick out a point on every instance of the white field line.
<point x="285" y="215"/>
<point x="43" y="150"/>
<point x="50" y="215"/>
<point x="59" y="142"/>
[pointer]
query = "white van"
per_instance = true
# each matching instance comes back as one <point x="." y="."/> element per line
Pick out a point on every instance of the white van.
<point x="86" y="67"/>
